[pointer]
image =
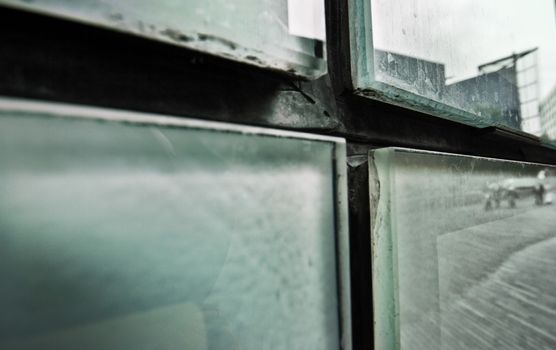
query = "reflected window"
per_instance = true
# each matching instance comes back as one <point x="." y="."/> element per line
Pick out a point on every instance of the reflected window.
<point x="286" y="35"/>
<point x="464" y="252"/>
<point x="548" y="115"/>
<point x="482" y="63"/>
<point x="121" y="230"/>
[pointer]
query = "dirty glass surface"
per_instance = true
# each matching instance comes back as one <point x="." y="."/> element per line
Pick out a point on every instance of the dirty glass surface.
<point x="464" y="252"/>
<point x="119" y="235"/>
<point x="479" y="62"/>
<point x="287" y="35"/>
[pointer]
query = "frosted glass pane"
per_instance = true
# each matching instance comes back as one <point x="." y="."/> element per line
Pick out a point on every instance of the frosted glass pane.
<point x="474" y="61"/>
<point x="136" y="235"/>
<point x="464" y="252"/>
<point x="278" y="34"/>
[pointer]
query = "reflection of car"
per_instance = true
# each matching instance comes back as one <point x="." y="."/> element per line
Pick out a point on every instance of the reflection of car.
<point x="512" y="189"/>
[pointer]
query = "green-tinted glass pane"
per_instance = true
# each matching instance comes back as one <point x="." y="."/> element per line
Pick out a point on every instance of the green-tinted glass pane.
<point x="136" y="235"/>
<point x="480" y="62"/>
<point x="287" y="35"/>
<point x="464" y="252"/>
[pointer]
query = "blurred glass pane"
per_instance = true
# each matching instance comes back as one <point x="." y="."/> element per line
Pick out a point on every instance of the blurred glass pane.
<point x="470" y="60"/>
<point x="279" y="34"/>
<point x="464" y="252"/>
<point x="119" y="235"/>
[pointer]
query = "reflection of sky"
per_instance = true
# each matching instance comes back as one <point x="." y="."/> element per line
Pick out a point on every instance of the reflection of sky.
<point x="464" y="34"/>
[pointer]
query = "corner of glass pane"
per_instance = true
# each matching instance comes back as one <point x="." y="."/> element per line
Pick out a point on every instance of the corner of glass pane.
<point x="283" y="35"/>
<point x="462" y="251"/>
<point x="460" y="61"/>
<point x="142" y="229"/>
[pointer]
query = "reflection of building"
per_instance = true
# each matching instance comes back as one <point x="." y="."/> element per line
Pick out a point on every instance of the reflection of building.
<point x="416" y="75"/>
<point x="493" y="96"/>
<point x="548" y="115"/>
<point x="504" y="93"/>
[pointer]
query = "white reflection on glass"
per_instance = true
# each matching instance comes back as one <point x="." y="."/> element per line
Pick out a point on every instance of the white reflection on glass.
<point x="495" y="59"/>
<point x="473" y="244"/>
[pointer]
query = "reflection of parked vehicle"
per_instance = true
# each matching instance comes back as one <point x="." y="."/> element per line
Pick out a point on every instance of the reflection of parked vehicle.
<point x="512" y="189"/>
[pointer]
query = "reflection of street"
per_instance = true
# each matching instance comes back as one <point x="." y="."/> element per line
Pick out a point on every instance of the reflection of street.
<point x="466" y="275"/>
<point x="497" y="283"/>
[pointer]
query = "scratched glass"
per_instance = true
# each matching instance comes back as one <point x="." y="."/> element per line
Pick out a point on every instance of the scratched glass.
<point x="479" y="62"/>
<point x="464" y="252"/>
<point x="115" y="235"/>
<point x="286" y="35"/>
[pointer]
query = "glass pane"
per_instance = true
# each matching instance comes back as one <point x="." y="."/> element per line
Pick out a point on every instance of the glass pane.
<point x="286" y="35"/>
<point x="464" y="252"/>
<point x="116" y="234"/>
<point x="548" y="116"/>
<point x="474" y="61"/>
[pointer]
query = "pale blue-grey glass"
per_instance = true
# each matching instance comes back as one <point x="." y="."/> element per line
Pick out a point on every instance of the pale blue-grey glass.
<point x="276" y="34"/>
<point x="480" y="62"/>
<point x="464" y="252"/>
<point x="117" y="235"/>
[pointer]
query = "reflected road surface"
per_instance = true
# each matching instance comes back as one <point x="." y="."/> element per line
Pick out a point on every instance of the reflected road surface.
<point x="497" y="283"/>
